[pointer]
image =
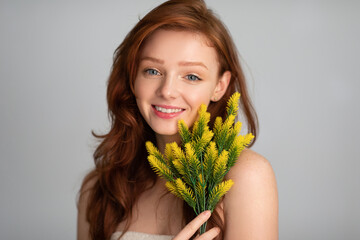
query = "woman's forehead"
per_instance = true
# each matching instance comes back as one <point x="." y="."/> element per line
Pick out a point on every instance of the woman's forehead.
<point x="179" y="45"/>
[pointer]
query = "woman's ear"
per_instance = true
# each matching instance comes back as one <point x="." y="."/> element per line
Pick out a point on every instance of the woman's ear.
<point x="221" y="86"/>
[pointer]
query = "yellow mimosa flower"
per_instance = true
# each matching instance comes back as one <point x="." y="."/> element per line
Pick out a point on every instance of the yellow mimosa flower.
<point x="195" y="170"/>
<point x="220" y="164"/>
<point x="160" y="168"/>
<point x="172" y="188"/>
<point x="185" y="192"/>
<point x="233" y="105"/>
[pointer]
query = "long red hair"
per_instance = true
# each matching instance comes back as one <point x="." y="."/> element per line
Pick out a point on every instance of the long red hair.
<point x="121" y="170"/>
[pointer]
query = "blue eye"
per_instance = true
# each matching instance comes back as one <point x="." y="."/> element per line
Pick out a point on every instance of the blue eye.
<point x="152" y="71"/>
<point x="193" y="77"/>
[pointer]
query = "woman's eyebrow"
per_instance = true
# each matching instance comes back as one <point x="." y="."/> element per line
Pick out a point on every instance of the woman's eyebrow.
<point x="192" y="64"/>
<point x="183" y="63"/>
<point x="152" y="59"/>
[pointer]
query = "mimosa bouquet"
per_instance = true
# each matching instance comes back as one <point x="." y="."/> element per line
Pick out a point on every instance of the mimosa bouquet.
<point x="195" y="170"/>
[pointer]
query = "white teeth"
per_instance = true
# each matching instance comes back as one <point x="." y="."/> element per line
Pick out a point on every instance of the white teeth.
<point x="167" y="110"/>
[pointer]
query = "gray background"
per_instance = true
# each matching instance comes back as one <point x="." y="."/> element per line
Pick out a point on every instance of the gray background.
<point x="302" y="62"/>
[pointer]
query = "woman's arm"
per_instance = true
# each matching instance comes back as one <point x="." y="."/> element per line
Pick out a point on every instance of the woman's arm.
<point x="83" y="232"/>
<point x="251" y="205"/>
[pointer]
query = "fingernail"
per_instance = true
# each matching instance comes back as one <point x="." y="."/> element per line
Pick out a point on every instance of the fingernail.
<point x="207" y="213"/>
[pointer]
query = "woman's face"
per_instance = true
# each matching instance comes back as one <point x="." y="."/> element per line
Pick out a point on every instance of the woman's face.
<point x="177" y="72"/>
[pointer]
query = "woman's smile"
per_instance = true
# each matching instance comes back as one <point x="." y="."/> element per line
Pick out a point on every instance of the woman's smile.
<point x="167" y="112"/>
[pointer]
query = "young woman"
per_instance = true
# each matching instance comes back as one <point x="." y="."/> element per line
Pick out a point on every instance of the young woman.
<point x="177" y="57"/>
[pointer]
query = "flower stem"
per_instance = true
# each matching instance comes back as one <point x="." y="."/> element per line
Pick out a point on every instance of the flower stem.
<point x="203" y="228"/>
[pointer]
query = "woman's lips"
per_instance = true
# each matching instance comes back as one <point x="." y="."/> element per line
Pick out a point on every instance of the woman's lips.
<point x="167" y="112"/>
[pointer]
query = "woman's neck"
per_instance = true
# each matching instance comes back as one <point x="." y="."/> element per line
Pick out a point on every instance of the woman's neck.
<point x="162" y="140"/>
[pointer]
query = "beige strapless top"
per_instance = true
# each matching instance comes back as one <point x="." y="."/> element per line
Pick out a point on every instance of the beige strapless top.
<point x="139" y="236"/>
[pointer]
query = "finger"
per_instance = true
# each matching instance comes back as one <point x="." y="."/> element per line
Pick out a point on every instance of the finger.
<point x="193" y="226"/>
<point x="210" y="234"/>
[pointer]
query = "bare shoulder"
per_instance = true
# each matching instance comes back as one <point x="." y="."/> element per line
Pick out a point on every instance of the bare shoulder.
<point x="251" y="205"/>
<point x="251" y="164"/>
<point x="87" y="185"/>
<point x="84" y="193"/>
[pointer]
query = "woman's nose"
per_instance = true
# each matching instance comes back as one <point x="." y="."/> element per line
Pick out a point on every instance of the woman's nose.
<point x="168" y="87"/>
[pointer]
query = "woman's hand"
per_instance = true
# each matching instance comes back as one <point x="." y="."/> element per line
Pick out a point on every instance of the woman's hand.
<point x="194" y="226"/>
